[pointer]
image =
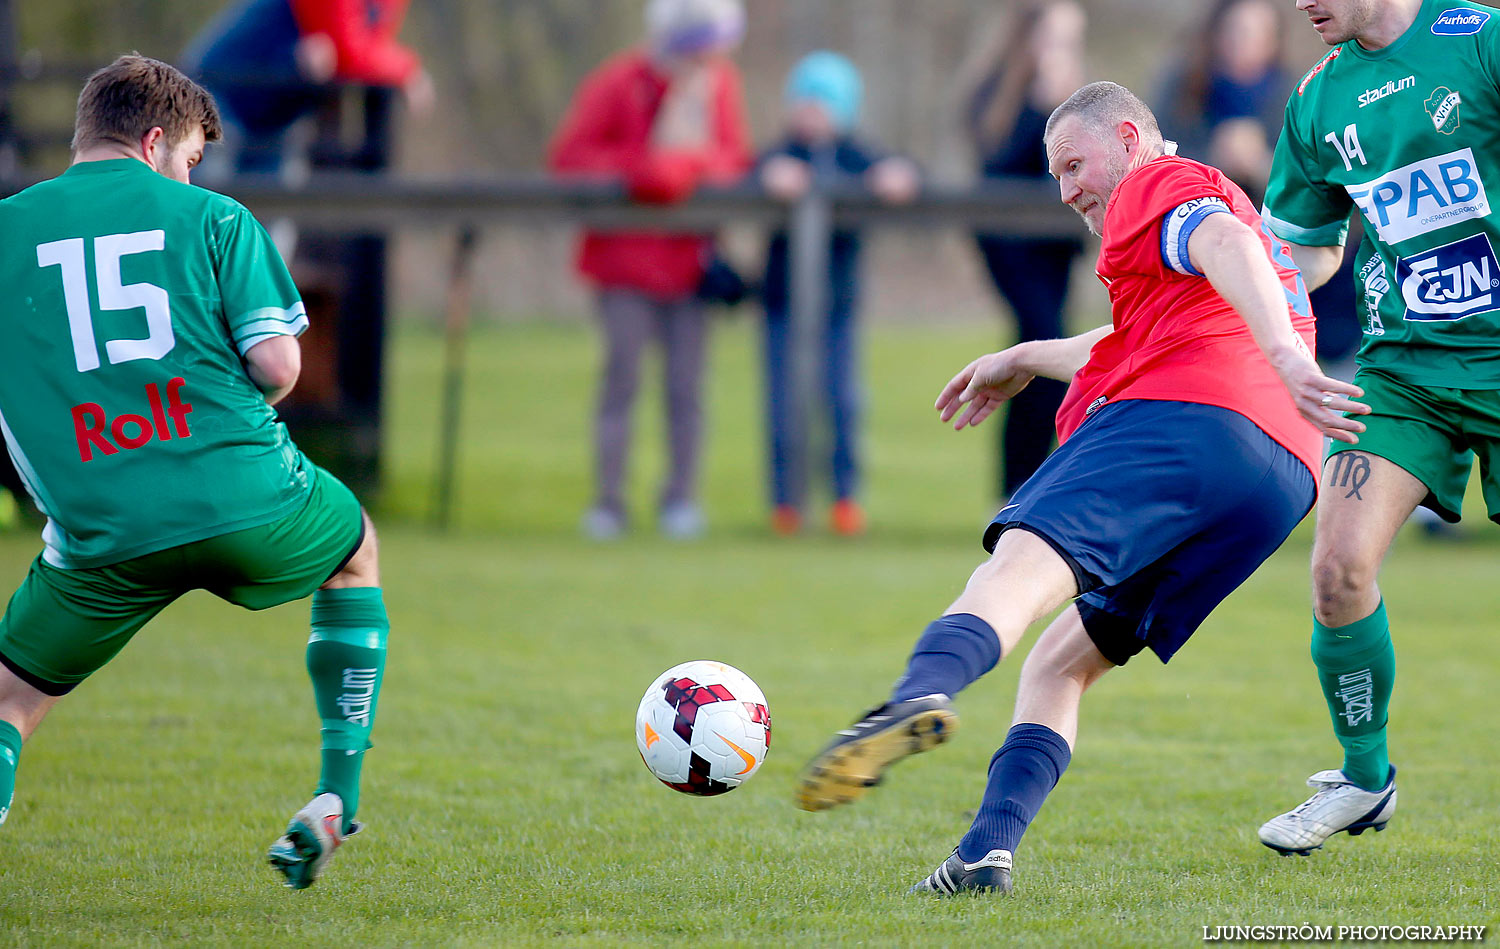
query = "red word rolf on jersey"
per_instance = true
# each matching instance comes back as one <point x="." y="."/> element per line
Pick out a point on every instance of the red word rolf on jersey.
<point x="90" y="422"/>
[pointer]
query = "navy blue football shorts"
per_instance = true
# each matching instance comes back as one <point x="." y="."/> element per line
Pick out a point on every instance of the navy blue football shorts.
<point x="1161" y="509"/>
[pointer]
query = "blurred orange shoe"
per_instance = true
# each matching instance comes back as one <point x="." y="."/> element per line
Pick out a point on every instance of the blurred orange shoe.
<point x="786" y="520"/>
<point x="848" y="517"/>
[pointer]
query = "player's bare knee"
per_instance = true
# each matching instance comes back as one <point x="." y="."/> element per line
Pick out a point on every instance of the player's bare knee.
<point x="1063" y="661"/>
<point x="363" y="569"/>
<point x="1065" y="653"/>
<point x="1341" y="583"/>
<point x="22" y="704"/>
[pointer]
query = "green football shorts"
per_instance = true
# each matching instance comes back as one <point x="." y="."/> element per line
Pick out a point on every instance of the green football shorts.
<point x="1434" y="434"/>
<point x="63" y="625"/>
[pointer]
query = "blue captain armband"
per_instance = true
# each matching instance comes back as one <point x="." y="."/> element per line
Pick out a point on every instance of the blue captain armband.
<point x="1178" y="224"/>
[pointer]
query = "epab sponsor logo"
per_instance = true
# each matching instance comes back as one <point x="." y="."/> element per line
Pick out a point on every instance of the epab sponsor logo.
<point x="1460" y="21"/>
<point x="1452" y="281"/>
<point x="1423" y="196"/>
<point x="93" y="427"/>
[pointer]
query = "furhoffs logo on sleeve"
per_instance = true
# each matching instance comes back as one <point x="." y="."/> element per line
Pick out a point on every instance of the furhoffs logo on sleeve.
<point x="1459" y="21"/>
<point x="1442" y="107"/>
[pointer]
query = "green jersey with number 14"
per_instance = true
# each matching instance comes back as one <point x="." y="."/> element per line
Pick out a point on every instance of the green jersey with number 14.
<point x="1409" y="134"/>
<point x="124" y="399"/>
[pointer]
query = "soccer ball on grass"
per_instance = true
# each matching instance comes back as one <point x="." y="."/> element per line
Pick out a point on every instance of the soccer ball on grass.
<point x="703" y="727"/>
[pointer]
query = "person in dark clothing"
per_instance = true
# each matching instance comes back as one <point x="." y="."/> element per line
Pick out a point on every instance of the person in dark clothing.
<point x="269" y="63"/>
<point x="1222" y="101"/>
<point x="823" y="95"/>
<point x="1033" y="68"/>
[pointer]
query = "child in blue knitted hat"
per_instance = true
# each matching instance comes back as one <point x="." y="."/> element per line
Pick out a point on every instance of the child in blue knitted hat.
<point x="822" y="100"/>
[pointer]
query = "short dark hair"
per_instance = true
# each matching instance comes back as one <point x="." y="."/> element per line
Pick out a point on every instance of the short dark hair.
<point x="1103" y="105"/>
<point x="134" y="94"/>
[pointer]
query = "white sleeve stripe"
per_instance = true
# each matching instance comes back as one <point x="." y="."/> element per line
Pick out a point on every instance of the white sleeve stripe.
<point x="286" y="315"/>
<point x="1178" y="225"/>
<point x="267" y="331"/>
<point x="1326" y="235"/>
<point x="292" y="328"/>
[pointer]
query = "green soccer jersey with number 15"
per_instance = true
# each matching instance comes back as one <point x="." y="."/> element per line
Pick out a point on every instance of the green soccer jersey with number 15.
<point x="124" y="399"/>
<point x="1409" y="134"/>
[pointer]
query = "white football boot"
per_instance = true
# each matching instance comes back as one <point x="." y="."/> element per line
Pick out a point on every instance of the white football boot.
<point x="1338" y="806"/>
<point x="311" y="837"/>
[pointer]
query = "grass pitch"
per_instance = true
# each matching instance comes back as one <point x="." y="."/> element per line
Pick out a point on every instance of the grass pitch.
<point x="506" y="802"/>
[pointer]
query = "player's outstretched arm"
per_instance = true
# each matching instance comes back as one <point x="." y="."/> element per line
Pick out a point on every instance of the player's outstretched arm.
<point x="990" y="380"/>
<point x="274" y="364"/>
<point x="1226" y="251"/>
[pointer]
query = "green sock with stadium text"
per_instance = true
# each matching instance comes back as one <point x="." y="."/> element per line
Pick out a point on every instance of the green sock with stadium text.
<point x="346" y="661"/>
<point x="10" y="756"/>
<point x="1357" y="669"/>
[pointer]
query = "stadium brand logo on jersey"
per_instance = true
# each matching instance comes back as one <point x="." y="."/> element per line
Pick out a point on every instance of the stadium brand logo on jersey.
<point x="1391" y="87"/>
<point x="1443" y="108"/>
<point x="1317" y="68"/>
<point x="1450" y="282"/>
<point x="1424" y="196"/>
<point x="1459" y="22"/>
<point x="131" y="431"/>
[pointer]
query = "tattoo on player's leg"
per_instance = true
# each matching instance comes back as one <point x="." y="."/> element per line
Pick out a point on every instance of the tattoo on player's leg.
<point x="1350" y="470"/>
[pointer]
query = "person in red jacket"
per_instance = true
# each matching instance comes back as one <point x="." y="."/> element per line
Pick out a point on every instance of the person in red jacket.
<point x="269" y="63"/>
<point x="355" y="41"/>
<point x="663" y="118"/>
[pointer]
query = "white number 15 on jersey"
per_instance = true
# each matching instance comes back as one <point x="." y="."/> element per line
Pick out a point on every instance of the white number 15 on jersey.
<point x="112" y="294"/>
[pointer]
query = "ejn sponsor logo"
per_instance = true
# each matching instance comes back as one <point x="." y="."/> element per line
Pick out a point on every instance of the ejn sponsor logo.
<point x="1391" y="87"/>
<point x="130" y="431"/>
<point x="1452" y="281"/>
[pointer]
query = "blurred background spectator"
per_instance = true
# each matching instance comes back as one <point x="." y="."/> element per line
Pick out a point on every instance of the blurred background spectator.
<point x="1222" y="100"/>
<point x="269" y="63"/>
<point x="1024" y="71"/>
<point x="819" y="146"/>
<point x="662" y="118"/>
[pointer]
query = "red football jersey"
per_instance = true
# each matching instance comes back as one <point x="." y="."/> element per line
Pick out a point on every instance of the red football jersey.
<point x="1174" y="337"/>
